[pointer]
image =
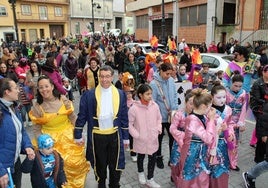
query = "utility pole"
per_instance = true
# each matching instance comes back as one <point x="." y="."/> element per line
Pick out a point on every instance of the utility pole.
<point x="13" y="5"/>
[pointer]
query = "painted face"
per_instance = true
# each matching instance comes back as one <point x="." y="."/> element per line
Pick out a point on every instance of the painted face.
<point x="106" y="79"/>
<point x="47" y="151"/>
<point x="13" y="93"/>
<point x="45" y="88"/>
<point x="219" y="99"/>
<point x="236" y="86"/>
<point x="189" y="105"/>
<point x="166" y="75"/>
<point x="146" y="96"/>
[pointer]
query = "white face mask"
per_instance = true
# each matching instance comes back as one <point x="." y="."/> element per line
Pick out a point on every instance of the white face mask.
<point x="219" y="99"/>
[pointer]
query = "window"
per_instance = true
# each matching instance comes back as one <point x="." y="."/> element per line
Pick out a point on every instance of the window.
<point x="229" y="11"/>
<point x="142" y="22"/>
<point x="202" y="14"/>
<point x="77" y="27"/>
<point x="58" y="11"/>
<point x="194" y="15"/>
<point x="26" y="10"/>
<point x="264" y="15"/>
<point x="184" y="16"/>
<point x="43" y="12"/>
<point x="3" y="11"/>
<point x="23" y="34"/>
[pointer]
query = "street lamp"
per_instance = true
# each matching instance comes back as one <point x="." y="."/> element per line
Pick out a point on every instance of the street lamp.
<point x="97" y="5"/>
<point x="13" y="4"/>
<point x="163" y="25"/>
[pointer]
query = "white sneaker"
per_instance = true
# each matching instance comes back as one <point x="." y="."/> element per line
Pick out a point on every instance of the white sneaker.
<point x="151" y="183"/>
<point x="134" y="158"/>
<point x="142" y="178"/>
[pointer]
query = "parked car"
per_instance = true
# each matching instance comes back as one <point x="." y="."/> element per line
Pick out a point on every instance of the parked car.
<point x="146" y="47"/>
<point x="216" y="61"/>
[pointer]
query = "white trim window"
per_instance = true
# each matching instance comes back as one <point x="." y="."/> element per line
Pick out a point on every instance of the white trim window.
<point x="43" y="12"/>
<point x="26" y="10"/>
<point x="58" y="11"/>
<point x="3" y="11"/>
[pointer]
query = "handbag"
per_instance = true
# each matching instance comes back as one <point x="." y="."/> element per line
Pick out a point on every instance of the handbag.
<point x="165" y="101"/>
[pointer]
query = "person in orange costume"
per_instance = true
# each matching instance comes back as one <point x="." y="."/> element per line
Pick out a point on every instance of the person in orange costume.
<point x="151" y="56"/>
<point x="171" y="57"/>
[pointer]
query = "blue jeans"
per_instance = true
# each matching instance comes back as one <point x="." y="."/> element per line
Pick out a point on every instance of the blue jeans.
<point x="258" y="169"/>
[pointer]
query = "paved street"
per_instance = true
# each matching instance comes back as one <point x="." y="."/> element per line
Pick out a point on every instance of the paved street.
<point x="129" y="176"/>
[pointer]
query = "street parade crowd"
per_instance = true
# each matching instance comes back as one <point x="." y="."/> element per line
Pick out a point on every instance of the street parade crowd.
<point x="131" y="112"/>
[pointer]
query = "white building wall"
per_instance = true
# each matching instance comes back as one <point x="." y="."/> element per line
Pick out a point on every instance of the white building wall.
<point x="210" y="36"/>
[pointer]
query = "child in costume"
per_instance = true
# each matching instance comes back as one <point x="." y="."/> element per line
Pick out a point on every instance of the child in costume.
<point x="200" y="131"/>
<point x="128" y="86"/>
<point x="237" y="99"/>
<point x="225" y="139"/>
<point x="177" y="129"/>
<point x="47" y="167"/>
<point x="145" y="126"/>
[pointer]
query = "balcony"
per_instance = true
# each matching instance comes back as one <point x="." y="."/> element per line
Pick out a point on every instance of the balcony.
<point x="264" y="19"/>
<point x="58" y="2"/>
<point x="41" y="18"/>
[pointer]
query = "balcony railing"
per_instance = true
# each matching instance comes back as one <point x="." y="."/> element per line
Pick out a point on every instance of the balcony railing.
<point x="66" y="2"/>
<point x="264" y="19"/>
<point x="35" y="17"/>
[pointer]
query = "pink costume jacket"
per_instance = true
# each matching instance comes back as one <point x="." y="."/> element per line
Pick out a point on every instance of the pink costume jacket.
<point x="220" y="163"/>
<point x="194" y="162"/>
<point x="177" y="127"/>
<point x="238" y="102"/>
<point x="145" y="126"/>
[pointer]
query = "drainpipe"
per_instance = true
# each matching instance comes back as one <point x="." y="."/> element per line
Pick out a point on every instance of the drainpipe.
<point x="242" y="18"/>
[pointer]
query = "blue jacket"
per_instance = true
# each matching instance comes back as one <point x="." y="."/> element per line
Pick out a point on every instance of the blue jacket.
<point x="8" y="137"/>
<point x="87" y="112"/>
<point x="169" y="90"/>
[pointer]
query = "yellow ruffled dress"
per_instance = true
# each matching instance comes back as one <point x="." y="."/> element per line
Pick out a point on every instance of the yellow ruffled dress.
<point x="60" y="128"/>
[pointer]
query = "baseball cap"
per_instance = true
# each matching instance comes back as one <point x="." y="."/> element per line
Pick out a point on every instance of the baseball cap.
<point x="45" y="141"/>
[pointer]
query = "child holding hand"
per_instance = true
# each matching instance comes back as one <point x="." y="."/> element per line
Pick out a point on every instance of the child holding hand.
<point x="47" y="167"/>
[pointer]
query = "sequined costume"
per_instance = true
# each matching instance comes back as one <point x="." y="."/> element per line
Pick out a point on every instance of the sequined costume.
<point x="220" y="166"/>
<point x="60" y="128"/>
<point x="177" y="130"/>
<point x="194" y="166"/>
<point x="238" y="102"/>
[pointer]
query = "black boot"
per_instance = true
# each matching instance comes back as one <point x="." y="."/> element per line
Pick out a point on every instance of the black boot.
<point x="159" y="162"/>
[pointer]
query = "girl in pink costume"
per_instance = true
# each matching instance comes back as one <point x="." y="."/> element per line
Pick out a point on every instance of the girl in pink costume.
<point x="200" y="131"/>
<point x="177" y="129"/>
<point x="236" y="98"/>
<point x="219" y="161"/>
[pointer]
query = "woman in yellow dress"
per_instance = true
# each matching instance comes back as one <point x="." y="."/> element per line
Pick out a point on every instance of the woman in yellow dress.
<point x="53" y="114"/>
